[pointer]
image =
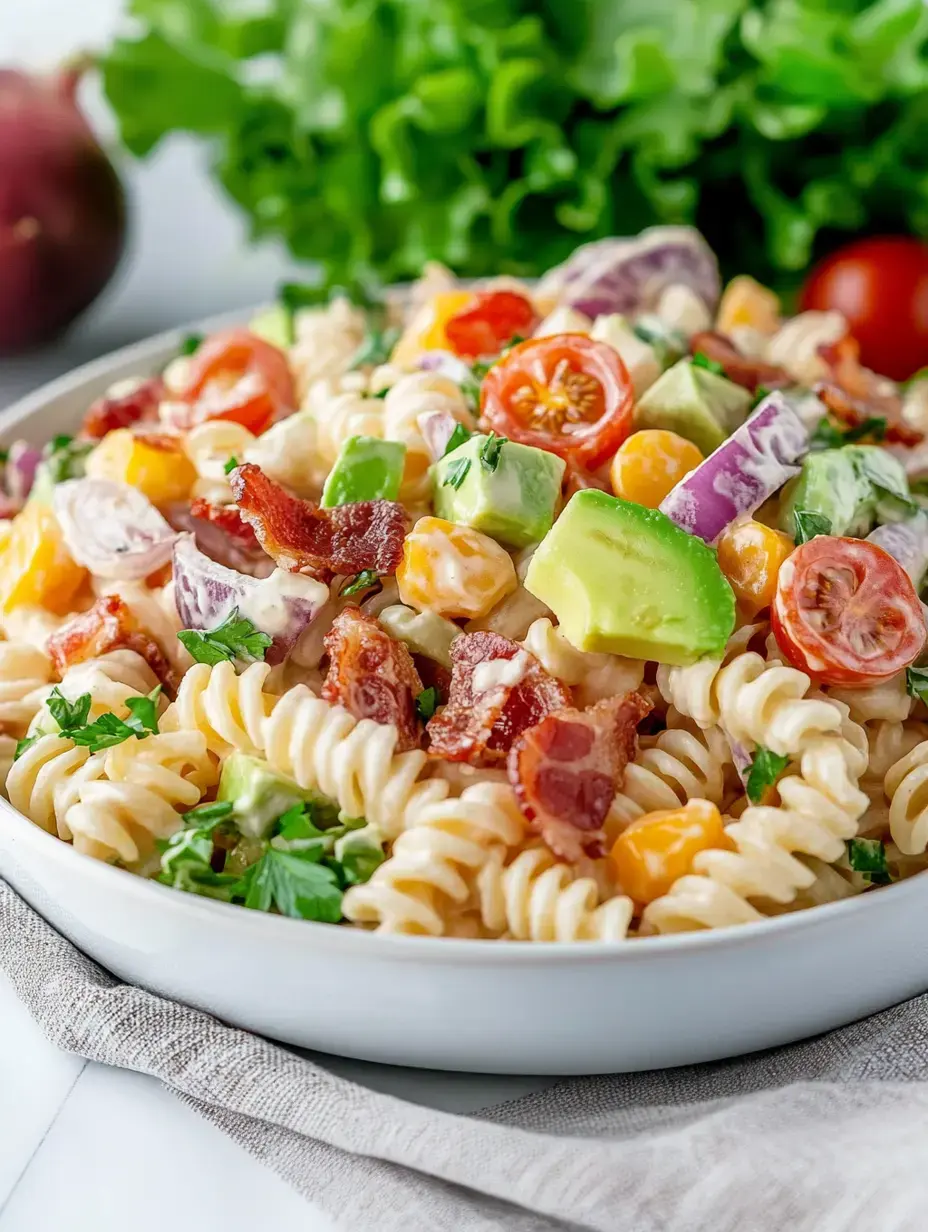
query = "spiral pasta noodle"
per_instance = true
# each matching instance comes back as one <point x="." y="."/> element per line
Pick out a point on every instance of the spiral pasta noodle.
<point x="906" y="787"/>
<point x="410" y="397"/>
<point x="342" y="416"/>
<point x="820" y="808"/>
<point x="534" y="897"/>
<point x="228" y="710"/>
<point x="110" y="679"/>
<point x="887" y="701"/>
<point x="209" y="446"/>
<point x="45" y="780"/>
<point x="24" y="670"/>
<point x="592" y="676"/>
<point x="326" y="341"/>
<point x="435" y="859"/>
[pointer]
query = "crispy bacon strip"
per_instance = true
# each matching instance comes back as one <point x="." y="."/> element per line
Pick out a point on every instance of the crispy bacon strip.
<point x="303" y="538"/>
<point x="108" y="413"/>
<point x="107" y="625"/>
<point x="488" y="707"/>
<point x="738" y="368"/>
<point x="855" y="394"/>
<point x="372" y="675"/>
<point x="228" y="519"/>
<point x="567" y="769"/>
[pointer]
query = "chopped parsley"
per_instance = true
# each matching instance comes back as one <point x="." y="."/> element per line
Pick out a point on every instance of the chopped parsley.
<point x="427" y="703"/>
<point x="191" y="344"/>
<point x="460" y="436"/>
<point x="702" y="360"/>
<point x="105" y="731"/>
<point x="376" y="347"/>
<point x="829" y="436"/>
<point x="490" y="450"/>
<point x="231" y="465"/>
<point x="764" y="771"/>
<point x="810" y="524"/>
<point x="457" y="473"/>
<point x="68" y="715"/>
<point x="22" y="745"/>
<point x="916" y="682"/>
<point x="867" y="856"/>
<point x="235" y="638"/>
<point x="65" y="458"/>
<point x="365" y="580"/>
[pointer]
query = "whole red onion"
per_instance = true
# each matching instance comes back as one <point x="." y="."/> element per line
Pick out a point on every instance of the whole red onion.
<point x="62" y="211"/>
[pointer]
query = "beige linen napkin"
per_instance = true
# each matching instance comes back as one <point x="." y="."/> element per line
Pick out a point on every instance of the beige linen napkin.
<point x="826" y="1135"/>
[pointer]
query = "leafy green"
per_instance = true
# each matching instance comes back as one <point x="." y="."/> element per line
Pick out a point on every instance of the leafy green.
<point x="459" y="436"/>
<point x="375" y="347"/>
<point x="490" y="450"/>
<point x="108" y="729"/>
<point x="809" y="524"/>
<point x="829" y="436"/>
<point x="364" y="580"/>
<point x="190" y="344"/>
<point x="868" y="857"/>
<point x="916" y="682"/>
<point x="456" y="473"/>
<point x="65" y="458"/>
<point x="22" y="745"/>
<point x="68" y="715"/>
<point x="370" y="135"/>
<point x="427" y="703"/>
<point x="235" y="638"/>
<point x="701" y="360"/>
<point x="765" y="769"/>
<point x="230" y="465"/>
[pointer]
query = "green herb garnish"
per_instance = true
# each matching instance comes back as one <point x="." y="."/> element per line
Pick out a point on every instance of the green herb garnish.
<point x="867" y="856"/>
<point x="490" y="450"/>
<point x="456" y="473"/>
<point x="366" y="579"/>
<point x="235" y="638"/>
<point x="810" y="524"/>
<point x="702" y="360"/>
<point x="376" y="347"/>
<point x="68" y="715"/>
<point x="829" y="436"/>
<point x="26" y="743"/>
<point x="65" y="458"/>
<point x="765" y="769"/>
<point x="460" y="436"/>
<point x="107" y="730"/>
<point x="916" y="682"/>
<point x="190" y="344"/>
<point x="427" y="703"/>
<point x="231" y="465"/>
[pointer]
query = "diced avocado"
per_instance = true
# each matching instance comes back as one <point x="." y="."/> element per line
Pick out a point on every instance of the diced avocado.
<point x="259" y="795"/>
<point x="695" y="403"/>
<point x="625" y="579"/>
<point x="366" y="469"/>
<point x="508" y="491"/>
<point x="274" y="325"/>
<point x="852" y="487"/>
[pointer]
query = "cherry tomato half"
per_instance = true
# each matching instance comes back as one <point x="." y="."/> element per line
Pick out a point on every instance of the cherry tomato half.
<point x="237" y="375"/>
<point x="881" y="286"/>
<point x="846" y="613"/>
<point x="489" y="323"/>
<point x="568" y="394"/>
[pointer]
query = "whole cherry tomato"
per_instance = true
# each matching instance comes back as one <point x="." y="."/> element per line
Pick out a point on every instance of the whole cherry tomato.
<point x="881" y="287"/>
<point x="489" y="323"/>
<point x="568" y="394"/>
<point x="237" y="375"/>
<point x="845" y="612"/>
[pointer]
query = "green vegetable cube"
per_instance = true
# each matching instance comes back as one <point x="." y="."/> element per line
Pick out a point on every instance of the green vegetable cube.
<point x="506" y="490"/>
<point x="366" y="469"/>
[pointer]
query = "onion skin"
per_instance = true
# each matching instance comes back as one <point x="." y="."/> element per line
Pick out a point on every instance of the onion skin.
<point x="62" y="210"/>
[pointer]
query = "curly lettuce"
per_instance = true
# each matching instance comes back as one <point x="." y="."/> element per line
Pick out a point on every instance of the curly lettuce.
<point x="373" y="135"/>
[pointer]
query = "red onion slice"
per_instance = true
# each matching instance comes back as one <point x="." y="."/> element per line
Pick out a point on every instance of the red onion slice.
<point x="436" y="428"/>
<point x="755" y="461"/>
<point x="112" y="529"/>
<point x="907" y="543"/>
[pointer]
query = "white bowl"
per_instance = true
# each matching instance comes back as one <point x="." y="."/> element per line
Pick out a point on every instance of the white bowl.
<point x="493" y="1007"/>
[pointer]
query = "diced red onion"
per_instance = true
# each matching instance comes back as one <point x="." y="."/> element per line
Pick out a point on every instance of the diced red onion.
<point x="436" y="428"/>
<point x="112" y="529"/>
<point x="218" y="545"/>
<point x="628" y="275"/>
<point x="445" y="363"/>
<point x="282" y="605"/>
<point x="907" y="543"/>
<point x="755" y="461"/>
<point x="21" y="465"/>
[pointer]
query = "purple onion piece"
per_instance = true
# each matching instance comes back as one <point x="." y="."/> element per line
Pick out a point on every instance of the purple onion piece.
<point x="112" y="529"/>
<point x="445" y="363"/>
<point x="755" y="461"/>
<point x="907" y="543"/>
<point x="627" y="276"/>
<point x="282" y="605"/>
<point x="21" y="465"/>
<point x="436" y="428"/>
<point x="743" y="759"/>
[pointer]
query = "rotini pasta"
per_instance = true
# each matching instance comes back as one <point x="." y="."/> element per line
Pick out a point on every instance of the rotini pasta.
<point x="592" y="676"/>
<point x="209" y="446"/>
<point x="326" y="342"/>
<point x="342" y="416"/>
<point x="906" y="786"/>
<point x="24" y="670"/>
<point x="228" y="710"/>
<point x="409" y="398"/>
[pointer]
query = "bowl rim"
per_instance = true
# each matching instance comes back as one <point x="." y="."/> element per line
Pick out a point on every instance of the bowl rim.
<point x="388" y="945"/>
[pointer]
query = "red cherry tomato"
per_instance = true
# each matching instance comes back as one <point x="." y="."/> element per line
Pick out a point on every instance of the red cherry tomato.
<point x="237" y="375"/>
<point x="493" y="319"/>
<point x="881" y="286"/>
<point x="567" y="394"/>
<point x="846" y="613"/>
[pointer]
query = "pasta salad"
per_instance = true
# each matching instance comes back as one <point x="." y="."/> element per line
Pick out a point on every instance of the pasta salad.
<point x="581" y="611"/>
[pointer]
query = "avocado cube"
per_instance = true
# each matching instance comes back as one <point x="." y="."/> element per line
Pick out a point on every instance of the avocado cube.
<point x="259" y="796"/>
<point x="508" y="491"/>
<point x="626" y="580"/>
<point x="695" y="403"/>
<point x="852" y="487"/>
<point x="366" y="469"/>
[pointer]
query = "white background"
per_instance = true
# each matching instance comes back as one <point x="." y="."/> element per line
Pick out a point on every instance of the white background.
<point x="84" y="1148"/>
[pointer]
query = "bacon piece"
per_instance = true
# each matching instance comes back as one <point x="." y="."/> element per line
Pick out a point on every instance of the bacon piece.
<point x="212" y="532"/>
<point x="108" y="413"/>
<point x="484" y="716"/>
<point x="303" y="538"/>
<point x="372" y="675"/>
<point x="107" y="625"/>
<point x="567" y="769"/>
<point x="739" y="368"/>
<point x="855" y="394"/>
<point x="228" y="519"/>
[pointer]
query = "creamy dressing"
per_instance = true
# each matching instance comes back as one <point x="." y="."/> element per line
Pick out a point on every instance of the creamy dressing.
<point x="267" y="606"/>
<point x="496" y="673"/>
